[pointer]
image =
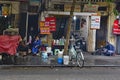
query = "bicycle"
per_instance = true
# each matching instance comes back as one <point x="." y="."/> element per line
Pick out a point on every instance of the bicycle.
<point x="76" y="54"/>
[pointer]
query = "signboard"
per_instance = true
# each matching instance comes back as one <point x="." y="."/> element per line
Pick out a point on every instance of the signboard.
<point x="90" y="8"/>
<point x="48" y="25"/>
<point x="116" y="27"/>
<point x="42" y="23"/>
<point x="35" y="2"/>
<point x="5" y="9"/>
<point x="44" y="29"/>
<point x="95" y="22"/>
<point x="67" y="7"/>
<point x="51" y="22"/>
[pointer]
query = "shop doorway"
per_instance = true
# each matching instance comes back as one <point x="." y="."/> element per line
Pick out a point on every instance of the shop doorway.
<point x="28" y="25"/>
<point x="32" y="29"/>
<point x="61" y="27"/>
<point x="4" y="23"/>
<point x="22" y="27"/>
<point x="101" y="34"/>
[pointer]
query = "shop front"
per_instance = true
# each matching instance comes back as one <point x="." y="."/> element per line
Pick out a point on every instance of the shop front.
<point x="81" y="26"/>
<point x="53" y="27"/>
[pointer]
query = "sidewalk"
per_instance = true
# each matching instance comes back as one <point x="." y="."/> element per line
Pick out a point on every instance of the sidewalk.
<point x="101" y="60"/>
<point x="90" y="61"/>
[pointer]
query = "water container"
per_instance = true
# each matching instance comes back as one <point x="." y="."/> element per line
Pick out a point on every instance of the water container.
<point x="56" y="51"/>
<point x="65" y="60"/>
<point x="45" y="60"/>
<point x="44" y="55"/>
<point x="60" y="54"/>
<point x="48" y="49"/>
<point x="57" y="42"/>
<point x="60" y="60"/>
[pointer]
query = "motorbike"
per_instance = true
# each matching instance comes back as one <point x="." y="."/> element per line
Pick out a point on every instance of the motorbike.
<point x="99" y="51"/>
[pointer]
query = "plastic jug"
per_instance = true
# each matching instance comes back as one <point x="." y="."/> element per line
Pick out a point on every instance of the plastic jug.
<point x="44" y="55"/>
<point x="60" y="54"/>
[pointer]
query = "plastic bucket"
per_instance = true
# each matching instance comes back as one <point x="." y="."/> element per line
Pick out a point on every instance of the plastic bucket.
<point x="66" y="60"/>
<point x="60" y="60"/>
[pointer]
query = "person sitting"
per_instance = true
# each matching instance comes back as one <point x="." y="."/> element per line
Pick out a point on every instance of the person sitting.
<point x="36" y="45"/>
<point x="22" y="48"/>
<point x="109" y="49"/>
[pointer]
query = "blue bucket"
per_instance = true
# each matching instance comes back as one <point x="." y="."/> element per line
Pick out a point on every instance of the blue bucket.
<point x="60" y="60"/>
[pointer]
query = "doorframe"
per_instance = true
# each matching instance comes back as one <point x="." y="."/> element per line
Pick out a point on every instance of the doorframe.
<point x="27" y="20"/>
<point x="105" y="30"/>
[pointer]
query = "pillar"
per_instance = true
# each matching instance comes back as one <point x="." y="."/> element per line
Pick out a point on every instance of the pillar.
<point x="91" y="41"/>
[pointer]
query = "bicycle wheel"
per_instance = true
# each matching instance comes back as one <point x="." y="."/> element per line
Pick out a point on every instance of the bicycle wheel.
<point x="80" y="59"/>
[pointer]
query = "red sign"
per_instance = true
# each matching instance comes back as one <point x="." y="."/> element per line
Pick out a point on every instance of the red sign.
<point x="116" y="27"/>
<point x="51" y="22"/>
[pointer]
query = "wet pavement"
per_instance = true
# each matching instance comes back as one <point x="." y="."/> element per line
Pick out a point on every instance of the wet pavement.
<point x="90" y="60"/>
<point x="101" y="60"/>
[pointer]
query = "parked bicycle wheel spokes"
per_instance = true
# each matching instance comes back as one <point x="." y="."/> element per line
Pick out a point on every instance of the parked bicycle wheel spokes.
<point x="80" y="59"/>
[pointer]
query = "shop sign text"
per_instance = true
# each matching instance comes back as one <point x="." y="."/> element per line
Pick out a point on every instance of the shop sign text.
<point x="95" y="22"/>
